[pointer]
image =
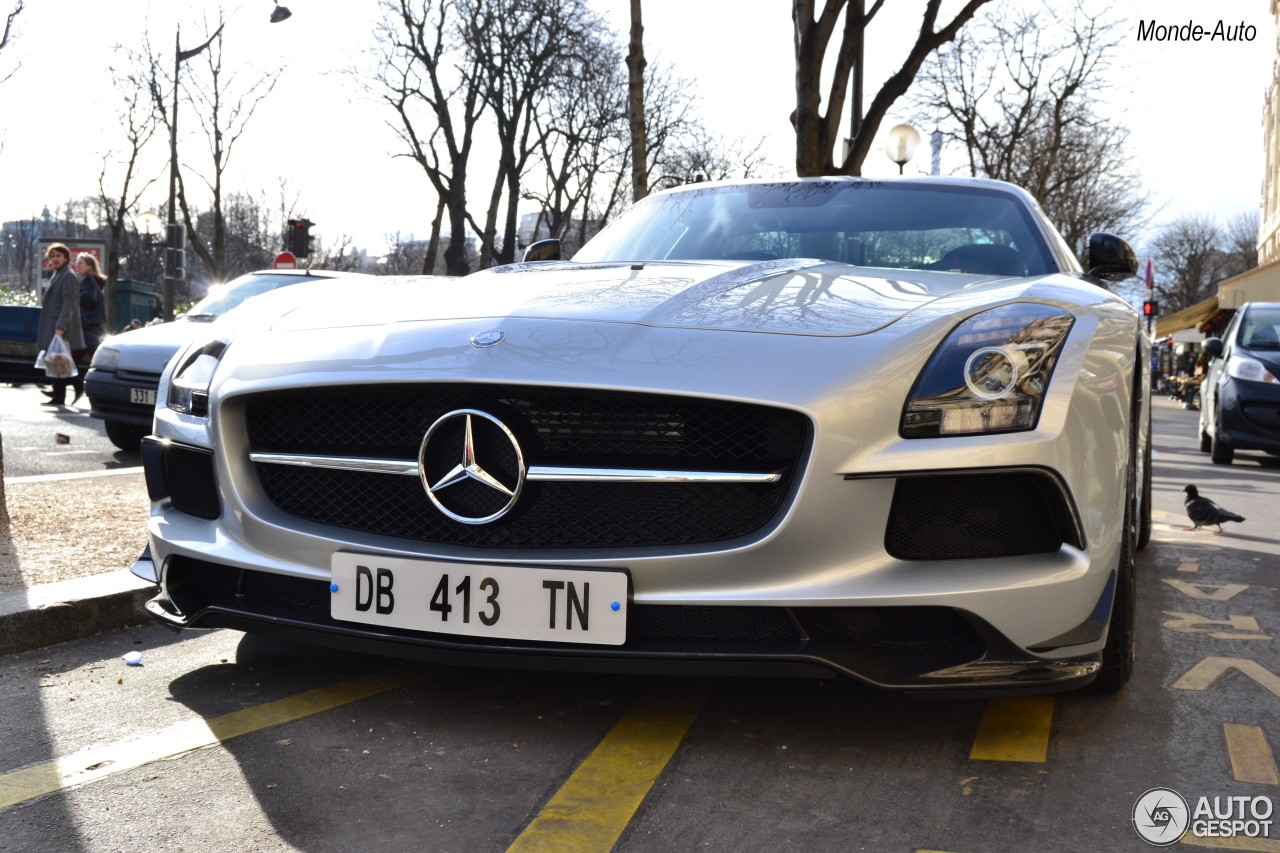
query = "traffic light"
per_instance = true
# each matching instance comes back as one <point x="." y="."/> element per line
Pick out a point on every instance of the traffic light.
<point x="298" y="238"/>
<point x="1150" y="308"/>
<point x="176" y="248"/>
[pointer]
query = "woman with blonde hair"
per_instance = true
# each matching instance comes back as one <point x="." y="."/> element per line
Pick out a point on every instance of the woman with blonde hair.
<point x="93" y="316"/>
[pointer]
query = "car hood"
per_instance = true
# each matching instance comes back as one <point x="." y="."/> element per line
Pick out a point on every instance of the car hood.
<point x="796" y="296"/>
<point x="148" y="350"/>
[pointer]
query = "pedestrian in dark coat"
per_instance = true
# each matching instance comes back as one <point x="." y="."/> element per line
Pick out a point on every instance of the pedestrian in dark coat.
<point x="93" y="316"/>
<point x="60" y="314"/>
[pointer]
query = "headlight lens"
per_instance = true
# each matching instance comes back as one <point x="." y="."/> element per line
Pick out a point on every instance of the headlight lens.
<point x="189" y="387"/>
<point x="105" y="358"/>
<point x="990" y="374"/>
<point x="1250" y="370"/>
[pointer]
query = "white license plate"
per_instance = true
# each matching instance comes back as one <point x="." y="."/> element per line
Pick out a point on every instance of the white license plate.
<point x="145" y="396"/>
<point x="555" y="604"/>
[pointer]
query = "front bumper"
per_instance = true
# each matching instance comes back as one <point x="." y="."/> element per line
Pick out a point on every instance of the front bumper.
<point x="912" y="649"/>
<point x="1249" y="415"/>
<point x="111" y="396"/>
<point x="935" y="640"/>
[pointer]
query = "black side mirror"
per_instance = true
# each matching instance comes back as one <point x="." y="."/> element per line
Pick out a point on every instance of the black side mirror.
<point x="1213" y="346"/>
<point x="547" y="250"/>
<point x="1110" y="258"/>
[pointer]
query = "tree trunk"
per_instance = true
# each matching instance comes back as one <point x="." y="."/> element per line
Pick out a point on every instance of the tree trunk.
<point x="635" y="105"/>
<point x="433" y="245"/>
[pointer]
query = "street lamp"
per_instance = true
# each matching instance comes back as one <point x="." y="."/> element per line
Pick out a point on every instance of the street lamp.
<point x="175" y="239"/>
<point x="901" y="144"/>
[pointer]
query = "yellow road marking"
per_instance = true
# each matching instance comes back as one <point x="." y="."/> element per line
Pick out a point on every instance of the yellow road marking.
<point x="1243" y="627"/>
<point x="596" y="803"/>
<point x="1189" y="565"/>
<point x="1251" y="758"/>
<point x="1249" y="845"/>
<point x="98" y="762"/>
<point x="1210" y="669"/>
<point x="1207" y="591"/>
<point x="1015" y="730"/>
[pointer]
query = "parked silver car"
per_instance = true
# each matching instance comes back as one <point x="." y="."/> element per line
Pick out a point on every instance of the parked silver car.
<point x="125" y="374"/>
<point x="888" y="430"/>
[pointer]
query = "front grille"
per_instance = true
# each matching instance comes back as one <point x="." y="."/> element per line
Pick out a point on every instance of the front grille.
<point x="979" y="515"/>
<point x="554" y="427"/>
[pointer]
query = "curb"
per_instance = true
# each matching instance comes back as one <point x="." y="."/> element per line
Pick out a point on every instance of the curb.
<point x="59" y="612"/>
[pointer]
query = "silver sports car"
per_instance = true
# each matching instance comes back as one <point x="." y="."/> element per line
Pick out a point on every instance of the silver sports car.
<point x="882" y="429"/>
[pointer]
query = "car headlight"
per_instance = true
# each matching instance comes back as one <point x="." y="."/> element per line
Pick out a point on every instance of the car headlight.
<point x="1250" y="370"/>
<point x="189" y="385"/>
<point x="990" y="374"/>
<point x="105" y="358"/>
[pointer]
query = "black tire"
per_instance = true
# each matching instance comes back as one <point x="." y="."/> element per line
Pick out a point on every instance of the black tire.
<point x="1220" y="451"/>
<point x="1117" y="655"/>
<point x="1144" y="517"/>
<point x="1206" y="442"/>
<point x="125" y="436"/>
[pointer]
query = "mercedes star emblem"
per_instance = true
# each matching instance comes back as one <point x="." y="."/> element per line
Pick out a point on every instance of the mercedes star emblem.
<point x="488" y="338"/>
<point x="471" y="466"/>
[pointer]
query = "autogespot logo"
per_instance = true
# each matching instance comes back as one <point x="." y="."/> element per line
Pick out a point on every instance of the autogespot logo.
<point x="1161" y="816"/>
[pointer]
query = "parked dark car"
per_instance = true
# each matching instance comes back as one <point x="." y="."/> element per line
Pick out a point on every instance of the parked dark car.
<point x="1240" y="395"/>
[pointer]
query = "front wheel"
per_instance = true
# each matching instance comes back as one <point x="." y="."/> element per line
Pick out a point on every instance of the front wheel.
<point x="125" y="436"/>
<point x="1117" y="655"/>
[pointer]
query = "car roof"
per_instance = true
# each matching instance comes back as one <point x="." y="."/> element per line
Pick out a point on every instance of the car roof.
<point x="915" y="181"/>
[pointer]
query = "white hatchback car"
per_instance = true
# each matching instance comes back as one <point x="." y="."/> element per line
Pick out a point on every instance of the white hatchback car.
<point x="122" y="381"/>
<point x="879" y="429"/>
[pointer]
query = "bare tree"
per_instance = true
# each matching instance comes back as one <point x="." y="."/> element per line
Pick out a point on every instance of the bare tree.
<point x="582" y="143"/>
<point x="521" y="50"/>
<point x="1017" y="95"/>
<point x="19" y="250"/>
<point x="6" y="36"/>
<point x="1188" y="262"/>
<point x="223" y="107"/>
<point x="1240" y="243"/>
<point x="818" y="132"/>
<point x="438" y="102"/>
<point x="139" y="122"/>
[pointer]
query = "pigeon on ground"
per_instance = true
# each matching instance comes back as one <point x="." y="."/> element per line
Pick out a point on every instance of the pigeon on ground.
<point x="1203" y="511"/>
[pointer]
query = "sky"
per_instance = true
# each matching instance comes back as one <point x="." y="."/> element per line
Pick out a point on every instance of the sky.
<point x="1194" y="109"/>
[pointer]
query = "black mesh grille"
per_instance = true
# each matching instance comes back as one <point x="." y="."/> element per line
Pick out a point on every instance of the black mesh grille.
<point x="192" y="488"/>
<point x="554" y="427"/>
<point x="915" y="628"/>
<point x="954" y="517"/>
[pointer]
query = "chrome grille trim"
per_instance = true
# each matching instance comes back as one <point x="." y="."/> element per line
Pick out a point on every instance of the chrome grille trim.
<point x="544" y="473"/>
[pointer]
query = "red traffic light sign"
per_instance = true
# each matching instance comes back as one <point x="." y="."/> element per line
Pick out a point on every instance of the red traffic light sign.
<point x="286" y="261"/>
<point x="1149" y="308"/>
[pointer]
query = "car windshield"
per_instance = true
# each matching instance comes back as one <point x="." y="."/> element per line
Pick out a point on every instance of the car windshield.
<point x="1261" y="328"/>
<point x="223" y="297"/>
<point x="865" y="223"/>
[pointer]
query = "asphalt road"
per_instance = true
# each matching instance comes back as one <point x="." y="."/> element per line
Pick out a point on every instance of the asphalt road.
<point x="219" y="742"/>
<point x="41" y="440"/>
